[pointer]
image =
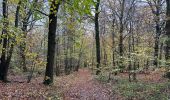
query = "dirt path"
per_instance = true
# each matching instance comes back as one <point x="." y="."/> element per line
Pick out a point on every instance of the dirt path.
<point x="79" y="85"/>
<point x="82" y="86"/>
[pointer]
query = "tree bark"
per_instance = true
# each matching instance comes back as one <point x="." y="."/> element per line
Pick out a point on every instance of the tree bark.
<point x="3" y="67"/>
<point x="97" y="36"/>
<point x="121" y="66"/>
<point x="130" y="51"/>
<point x="113" y="44"/>
<point x="6" y="61"/>
<point x="57" y="56"/>
<point x="23" y="46"/>
<point x="167" y="29"/>
<point x="160" y="54"/>
<point x="158" y="33"/>
<point x="51" y="42"/>
<point x="135" y="60"/>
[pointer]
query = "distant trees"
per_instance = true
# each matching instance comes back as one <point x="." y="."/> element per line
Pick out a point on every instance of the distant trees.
<point x="9" y="38"/>
<point x="135" y="23"/>
<point x="156" y="7"/>
<point x="124" y="36"/>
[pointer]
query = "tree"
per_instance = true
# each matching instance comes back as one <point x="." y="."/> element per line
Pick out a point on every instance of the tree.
<point x="97" y="36"/>
<point x="25" y="21"/>
<point x="156" y="7"/>
<point x="167" y="28"/>
<point x="3" y="67"/>
<point x="51" y="41"/>
<point x="121" y="28"/>
<point x="6" y="56"/>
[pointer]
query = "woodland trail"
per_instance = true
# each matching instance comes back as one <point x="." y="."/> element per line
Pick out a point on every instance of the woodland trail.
<point x="79" y="85"/>
<point x="84" y="87"/>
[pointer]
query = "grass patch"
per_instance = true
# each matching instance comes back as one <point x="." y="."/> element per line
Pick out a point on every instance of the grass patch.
<point x="102" y="78"/>
<point x="143" y="91"/>
<point x="149" y="86"/>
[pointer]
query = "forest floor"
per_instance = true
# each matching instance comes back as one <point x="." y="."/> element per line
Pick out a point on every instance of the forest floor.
<point x="83" y="85"/>
<point x="150" y="85"/>
<point x="77" y="86"/>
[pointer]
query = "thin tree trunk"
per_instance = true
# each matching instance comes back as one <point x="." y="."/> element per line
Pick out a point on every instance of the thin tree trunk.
<point x="113" y="44"/>
<point x="13" y="39"/>
<point x="104" y="52"/>
<point x="121" y="36"/>
<point x="24" y="29"/>
<point x="23" y="46"/>
<point x="129" y="54"/>
<point x="80" y="54"/>
<point x="66" y="61"/>
<point x="134" y="63"/>
<point x="71" y="52"/>
<point x="160" y="54"/>
<point x="57" y="56"/>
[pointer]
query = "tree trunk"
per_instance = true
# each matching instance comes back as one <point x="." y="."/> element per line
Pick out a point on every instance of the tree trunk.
<point x="51" y="42"/>
<point x="80" y="54"/>
<point x="13" y="39"/>
<point x="71" y="53"/>
<point x="113" y="44"/>
<point x="57" y="57"/>
<point x="134" y="63"/>
<point x="97" y="36"/>
<point x="158" y="33"/>
<point x="66" y="39"/>
<point x="23" y="46"/>
<point x="67" y="66"/>
<point x="167" y="28"/>
<point x="3" y="65"/>
<point x="160" y="54"/>
<point x="121" y="66"/>
<point x="130" y="51"/>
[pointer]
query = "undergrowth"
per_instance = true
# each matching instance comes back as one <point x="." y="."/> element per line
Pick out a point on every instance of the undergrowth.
<point x="138" y="90"/>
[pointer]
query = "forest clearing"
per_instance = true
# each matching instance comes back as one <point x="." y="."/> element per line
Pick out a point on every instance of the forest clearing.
<point x="84" y="49"/>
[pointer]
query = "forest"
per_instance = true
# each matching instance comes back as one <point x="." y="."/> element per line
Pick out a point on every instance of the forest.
<point x="84" y="49"/>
